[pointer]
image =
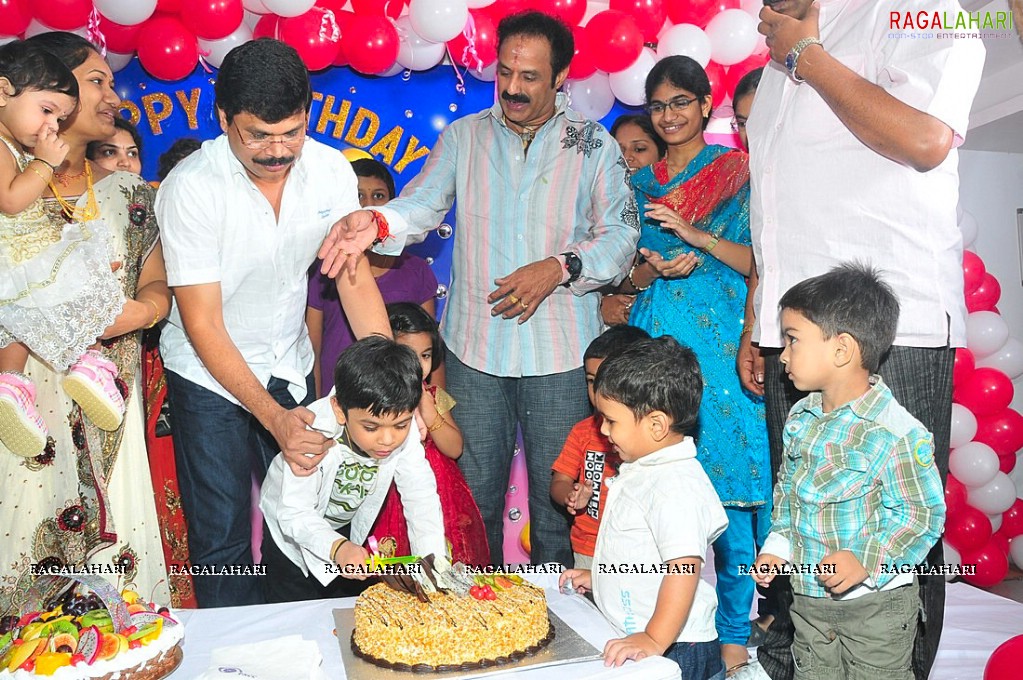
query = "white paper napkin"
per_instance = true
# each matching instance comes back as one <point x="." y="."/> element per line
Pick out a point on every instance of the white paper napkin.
<point x="284" y="658"/>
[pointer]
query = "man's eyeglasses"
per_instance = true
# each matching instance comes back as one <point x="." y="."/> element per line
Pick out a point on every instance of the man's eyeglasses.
<point x="677" y="104"/>
<point x="258" y="142"/>
<point x="738" y="124"/>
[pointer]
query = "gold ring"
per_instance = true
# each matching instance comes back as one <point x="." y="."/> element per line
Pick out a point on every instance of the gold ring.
<point x="513" y="299"/>
<point x="525" y="305"/>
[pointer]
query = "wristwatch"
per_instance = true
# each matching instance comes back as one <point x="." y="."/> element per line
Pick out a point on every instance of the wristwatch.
<point x="574" y="267"/>
<point x="792" y="58"/>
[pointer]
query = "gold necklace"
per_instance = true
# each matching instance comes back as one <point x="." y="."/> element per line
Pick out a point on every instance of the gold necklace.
<point x="72" y="212"/>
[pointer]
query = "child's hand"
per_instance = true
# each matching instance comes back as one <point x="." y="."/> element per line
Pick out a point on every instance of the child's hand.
<point x="579" y="579"/>
<point x="848" y="572"/>
<point x="49" y="147"/>
<point x="770" y="564"/>
<point x="580" y="496"/>
<point x="352" y="559"/>
<point x="636" y="646"/>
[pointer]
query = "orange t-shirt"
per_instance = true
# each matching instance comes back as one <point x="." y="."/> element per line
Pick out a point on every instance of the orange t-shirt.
<point x="588" y="455"/>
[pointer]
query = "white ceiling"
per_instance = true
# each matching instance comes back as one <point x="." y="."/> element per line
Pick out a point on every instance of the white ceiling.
<point x="996" y="122"/>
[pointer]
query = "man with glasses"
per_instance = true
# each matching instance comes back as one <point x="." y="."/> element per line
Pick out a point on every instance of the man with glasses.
<point x="853" y="137"/>
<point x="241" y="220"/>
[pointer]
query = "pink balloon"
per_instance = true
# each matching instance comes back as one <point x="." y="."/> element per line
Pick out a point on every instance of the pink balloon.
<point x="619" y="38"/>
<point x="371" y="44"/>
<point x="1006" y="660"/>
<point x="968" y="529"/>
<point x="15" y="16"/>
<point x="582" y="65"/>
<point x="212" y="19"/>
<point x="963" y="367"/>
<point x="984" y="297"/>
<point x="62" y="15"/>
<point x="988" y="391"/>
<point x="990" y="562"/>
<point x="649" y="15"/>
<point x="973" y="271"/>
<point x="167" y="50"/>
<point x="317" y="50"/>
<point x="1002" y="431"/>
<point x="485" y="43"/>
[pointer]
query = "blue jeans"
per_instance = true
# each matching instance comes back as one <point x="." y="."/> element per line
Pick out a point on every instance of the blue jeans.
<point x="489" y="408"/>
<point x="698" y="660"/>
<point x="218" y="446"/>
<point x="738" y="545"/>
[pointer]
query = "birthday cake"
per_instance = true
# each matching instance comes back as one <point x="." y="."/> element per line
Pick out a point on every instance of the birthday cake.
<point x="499" y="619"/>
<point x="81" y="638"/>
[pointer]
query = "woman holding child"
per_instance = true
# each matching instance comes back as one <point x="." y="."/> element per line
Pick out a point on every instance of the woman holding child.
<point x="694" y="252"/>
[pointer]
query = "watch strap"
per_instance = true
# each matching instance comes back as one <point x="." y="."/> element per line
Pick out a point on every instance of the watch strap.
<point x="792" y="58"/>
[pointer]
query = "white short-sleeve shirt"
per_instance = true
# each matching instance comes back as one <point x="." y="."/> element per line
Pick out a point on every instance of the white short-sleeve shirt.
<point x="216" y="226"/>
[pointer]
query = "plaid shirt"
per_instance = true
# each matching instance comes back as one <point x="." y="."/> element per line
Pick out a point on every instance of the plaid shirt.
<point x="860" y="478"/>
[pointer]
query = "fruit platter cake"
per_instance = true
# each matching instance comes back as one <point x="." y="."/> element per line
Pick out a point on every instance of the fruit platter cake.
<point x="455" y="622"/>
<point x="116" y="637"/>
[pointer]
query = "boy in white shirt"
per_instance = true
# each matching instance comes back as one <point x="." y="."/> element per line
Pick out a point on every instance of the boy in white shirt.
<point x="661" y="513"/>
<point x="318" y="523"/>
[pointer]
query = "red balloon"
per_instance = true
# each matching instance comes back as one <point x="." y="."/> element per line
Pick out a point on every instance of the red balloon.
<point x="266" y="27"/>
<point x="619" y="39"/>
<point x="984" y="297"/>
<point x="973" y="271"/>
<point x="1006" y="463"/>
<point x="649" y="15"/>
<point x="120" y="39"/>
<point x="1002" y="541"/>
<point x="62" y="15"/>
<point x="582" y="65"/>
<point x="168" y="6"/>
<point x="1006" y="660"/>
<point x="988" y="391"/>
<point x="1012" y="520"/>
<point x="955" y="496"/>
<point x="569" y="11"/>
<point x="501" y="8"/>
<point x="990" y="562"/>
<point x="343" y="18"/>
<point x="966" y="530"/>
<point x="212" y="19"/>
<point x="485" y="43"/>
<point x="167" y="50"/>
<point x="963" y="367"/>
<point x="390" y="8"/>
<point x="698" y="12"/>
<point x="303" y="33"/>
<point x="371" y="43"/>
<point x="735" y="72"/>
<point x="15" y="16"/>
<point x="1002" y="431"/>
<point x="716" y="75"/>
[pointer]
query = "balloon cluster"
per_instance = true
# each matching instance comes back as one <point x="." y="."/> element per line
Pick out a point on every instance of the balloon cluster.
<point x="985" y="516"/>
<point x="615" y="48"/>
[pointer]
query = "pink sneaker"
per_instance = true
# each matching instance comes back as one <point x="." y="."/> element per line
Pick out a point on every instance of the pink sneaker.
<point x="22" y="430"/>
<point x="90" y="382"/>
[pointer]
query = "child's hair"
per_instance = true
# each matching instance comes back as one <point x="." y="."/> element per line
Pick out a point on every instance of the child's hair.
<point x="370" y="167"/>
<point x="657" y="374"/>
<point x="177" y="152"/>
<point x="748" y="84"/>
<point x="119" y="124"/>
<point x="378" y="375"/>
<point x="851" y="298"/>
<point x="408" y="317"/>
<point x="643" y="122"/>
<point x="30" y="67"/>
<point x="614" y="340"/>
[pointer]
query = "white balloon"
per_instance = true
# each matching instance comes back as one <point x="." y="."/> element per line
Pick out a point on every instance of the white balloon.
<point x="414" y="51"/>
<point x="126" y="12"/>
<point x="1008" y="359"/>
<point x="118" y="60"/>
<point x="288" y="8"/>
<point x="591" y="96"/>
<point x="686" y="40"/>
<point x="974" y="464"/>
<point x="952" y="558"/>
<point x="733" y="36"/>
<point x="968" y="228"/>
<point x="438" y="20"/>
<point x="214" y="51"/>
<point x="986" y="333"/>
<point x="476" y="4"/>
<point x="487" y="75"/>
<point x="995" y="497"/>
<point x="629" y="85"/>
<point x="250" y="19"/>
<point x="752" y="7"/>
<point x="393" y="71"/>
<point x="996" y="522"/>
<point x="255" y="6"/>
<point x="36" y="27"/>
<point x="1016" y="551"/>
<point x="964" y="426"/>
<point x="761" y="47"/>
<point x="4" y="39"/>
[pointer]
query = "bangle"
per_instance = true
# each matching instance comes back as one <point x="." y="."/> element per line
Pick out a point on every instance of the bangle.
<point x="383" y="229"/>
<point x="156" y="314"/>
<point x="337" y="546"/>
<point x="710" y="244"/>
<point x="437" y="424"/>
<point x="51" y="166"/>
<point x="39" y="174"/>
<point x="632" y="281"/>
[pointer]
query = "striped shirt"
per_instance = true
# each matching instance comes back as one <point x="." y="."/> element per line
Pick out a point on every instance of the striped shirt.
<point x="860" y="478"/>
<point x="569" y="193"/>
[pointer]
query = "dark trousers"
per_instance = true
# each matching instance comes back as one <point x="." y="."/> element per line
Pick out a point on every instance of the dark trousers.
<point x="285" y="582"/>
<point x="218" y="446"/>
<point x="921" y="380"/>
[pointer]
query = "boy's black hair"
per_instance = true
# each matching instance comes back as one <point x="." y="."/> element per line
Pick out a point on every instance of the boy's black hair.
<point x="614" y="340"/>
<point x="643" y="122"/>
<point x="851" y="298"/>
<point x="177" y="152"/>
<point x="120" y="123"/>
<point x="371" y="167"/>
<point x="30" y="67"/>
<point x="265" y="78"/>
<point x="378" y="375"/>
<point x="654" y="375"/>
<point x="71" y="48"/>
<point x="408" y="317"/>
<point x="748" y="84"/>
<point x="540" y="25"/>
<point x="681" y="72"/>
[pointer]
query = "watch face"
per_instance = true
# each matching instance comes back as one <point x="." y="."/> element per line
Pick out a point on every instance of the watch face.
<point x="790" y="61"/>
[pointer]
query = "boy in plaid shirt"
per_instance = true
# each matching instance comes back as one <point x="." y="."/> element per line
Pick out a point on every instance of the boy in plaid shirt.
<point x="859" y="501"/>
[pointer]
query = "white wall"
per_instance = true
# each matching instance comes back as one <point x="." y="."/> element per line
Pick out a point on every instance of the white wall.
<point x="991" y="189"/>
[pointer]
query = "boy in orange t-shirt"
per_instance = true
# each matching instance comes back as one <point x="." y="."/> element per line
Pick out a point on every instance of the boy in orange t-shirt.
<point x="588" y="458"/>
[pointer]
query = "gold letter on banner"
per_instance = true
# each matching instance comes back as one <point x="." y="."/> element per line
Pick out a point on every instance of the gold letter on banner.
<point x="152" y="115"/>
<point x="387" y="145"/>
<point x="363" y="116"/>
<point x="134" y="115"/>
<point x="411" y="153"/>
<point x="327" y="115"/>
<point x="190" y="104"/>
